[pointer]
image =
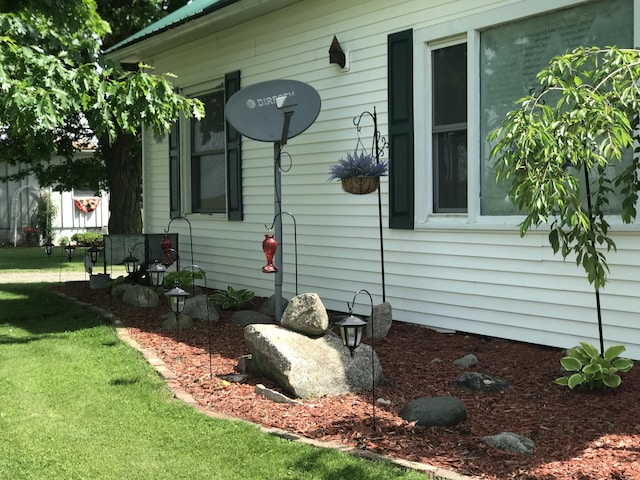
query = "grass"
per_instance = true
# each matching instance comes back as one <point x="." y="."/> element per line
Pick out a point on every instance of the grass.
<point x="34" y="259"/>
<point x="76" y="403"/>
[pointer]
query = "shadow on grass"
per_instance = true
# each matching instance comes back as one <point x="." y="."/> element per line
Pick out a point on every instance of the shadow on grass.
<point x="34" y="309"/>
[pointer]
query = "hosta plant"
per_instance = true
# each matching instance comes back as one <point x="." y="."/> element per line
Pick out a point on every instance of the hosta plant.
<point x="231" y="299"/>
<point x="587" y="369"/>
<point x="357" y="165"/>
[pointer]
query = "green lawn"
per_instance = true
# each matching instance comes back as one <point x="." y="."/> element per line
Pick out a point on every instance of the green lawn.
<point x="34" y="259"/>
<point x="76" y="403"/>
<point x="25" y="259"/>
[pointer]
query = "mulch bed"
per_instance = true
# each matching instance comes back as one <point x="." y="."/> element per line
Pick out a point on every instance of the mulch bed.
<point x="577" y="436"/>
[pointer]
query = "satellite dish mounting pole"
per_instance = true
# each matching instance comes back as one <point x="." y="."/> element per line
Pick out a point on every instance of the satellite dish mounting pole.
<point x="277" y="212"/>
<point x="265" y="112"/>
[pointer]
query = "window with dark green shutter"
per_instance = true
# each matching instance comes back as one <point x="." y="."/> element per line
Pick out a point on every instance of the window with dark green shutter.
<point x="400" y="108"/>
<point x="215" y="158"/>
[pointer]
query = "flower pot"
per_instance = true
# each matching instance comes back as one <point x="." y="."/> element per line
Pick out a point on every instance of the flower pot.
<point x="360" y="185"/>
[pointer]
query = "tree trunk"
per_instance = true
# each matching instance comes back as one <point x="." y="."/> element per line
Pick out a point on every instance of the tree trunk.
<point x="123" y="160"/>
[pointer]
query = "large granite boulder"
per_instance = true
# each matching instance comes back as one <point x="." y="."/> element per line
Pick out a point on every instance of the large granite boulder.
<point x="306" y="314"/>
<point x="308" y="367"/>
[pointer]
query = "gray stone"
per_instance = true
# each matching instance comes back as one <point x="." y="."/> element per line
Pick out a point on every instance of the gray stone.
<point x="269" y="306"/>
<point x="201" y="308"/>
<point x="511" y="442"/>
<point x="308" y="367"/>
<point x="467" y="361"/>
<point x="139" y="296"/>
<point x="169" y="321"/>
<point x="435" y="411"/>
<point x="480" y="382"/>
<point x="379" y="326"/>
<point x="247" y="317"/>
<point x="306" y="314"/>
<point x="274" y="396"/>
<point x="118" y="290"/>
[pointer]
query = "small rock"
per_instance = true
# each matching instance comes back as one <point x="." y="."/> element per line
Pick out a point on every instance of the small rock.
<point x="378" y="326"/>
<point x="511" y="442"/>
<point x="480" y="382"/>
<point x="169" y="323"/>
<point x="435" y="411"/>
<point x="275" y="396"/>
<point x="467" y="361"/>
<point x="235" y="377"/>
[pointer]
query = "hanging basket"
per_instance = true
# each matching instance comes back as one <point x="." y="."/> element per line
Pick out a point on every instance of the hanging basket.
<point x="360" y="185"/>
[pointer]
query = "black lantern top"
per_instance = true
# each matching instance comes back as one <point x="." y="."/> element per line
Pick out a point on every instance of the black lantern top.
<point x="351" y="331"/>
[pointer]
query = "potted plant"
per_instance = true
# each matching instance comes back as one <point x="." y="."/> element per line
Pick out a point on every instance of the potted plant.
<point x="359" y="172"/>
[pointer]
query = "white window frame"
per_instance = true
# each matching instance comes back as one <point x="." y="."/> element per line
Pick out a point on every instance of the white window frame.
<point x="468" y="28"/>
<point x="185" y="144"/>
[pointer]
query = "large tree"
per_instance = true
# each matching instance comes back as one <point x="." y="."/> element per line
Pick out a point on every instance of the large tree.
<point x="58" y="91"/>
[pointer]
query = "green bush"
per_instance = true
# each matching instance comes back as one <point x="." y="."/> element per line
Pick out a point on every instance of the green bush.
<point x="87" y="239"/>
<point x="46" y="212"/>
<point x="183" y="279"/>
<point x="593" y="371"/>
<point x="231" y="299"/>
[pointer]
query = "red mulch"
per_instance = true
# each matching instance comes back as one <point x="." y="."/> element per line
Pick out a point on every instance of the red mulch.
<point x="577" y="436"/>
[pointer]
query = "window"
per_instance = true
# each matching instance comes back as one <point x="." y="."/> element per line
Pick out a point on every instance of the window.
<point x="513" y="53"/>
<point x="174" y="170"/>
<point x="205" y="157"/>
<point x="465" y="86"/>
<point x="208" y="170"/>
<point x="449" y="128"/>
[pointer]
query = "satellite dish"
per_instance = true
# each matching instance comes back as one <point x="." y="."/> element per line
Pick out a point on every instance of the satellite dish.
<point x="273" y="111"/>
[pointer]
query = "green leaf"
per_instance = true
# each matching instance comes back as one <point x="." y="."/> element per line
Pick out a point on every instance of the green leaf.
<point x="589" y="349"/>
<point x="571" y="364"/>
<point x="613" y="352"/>
<point x="575" y="380"/>
<point x="612" y="380"/>
<point x="623" y="364"/>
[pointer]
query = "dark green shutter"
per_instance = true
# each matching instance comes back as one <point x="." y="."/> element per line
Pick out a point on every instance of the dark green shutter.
<point x="234" y="154"/>
<point x="401" y="155"/>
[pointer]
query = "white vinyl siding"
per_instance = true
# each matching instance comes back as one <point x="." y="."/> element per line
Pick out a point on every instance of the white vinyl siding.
<point x="475" y="275"/>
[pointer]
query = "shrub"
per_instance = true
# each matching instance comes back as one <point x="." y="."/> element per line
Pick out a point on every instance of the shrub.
<point x="183" y="279"/>
<point x="593" y="371"/>
<point x="87" y="238"/>
<point x="231" y="299"/>
<point x="46" y="212"/>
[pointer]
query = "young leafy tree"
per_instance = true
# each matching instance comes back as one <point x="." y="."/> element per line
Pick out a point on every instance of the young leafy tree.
<point x="556" y="150"/>
<point x="57" y="90"/>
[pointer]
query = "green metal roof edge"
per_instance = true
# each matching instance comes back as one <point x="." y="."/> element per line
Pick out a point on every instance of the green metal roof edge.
<point x="191" y="11"/>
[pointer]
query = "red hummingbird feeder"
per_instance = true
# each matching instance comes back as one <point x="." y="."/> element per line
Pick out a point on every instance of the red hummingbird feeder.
<point x="166" y="245"/>
<point x="269" y="247"/>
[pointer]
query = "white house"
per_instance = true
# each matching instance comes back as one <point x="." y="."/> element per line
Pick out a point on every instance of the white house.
<point x="441" y="74"/>
<point x="76" y="211"/>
